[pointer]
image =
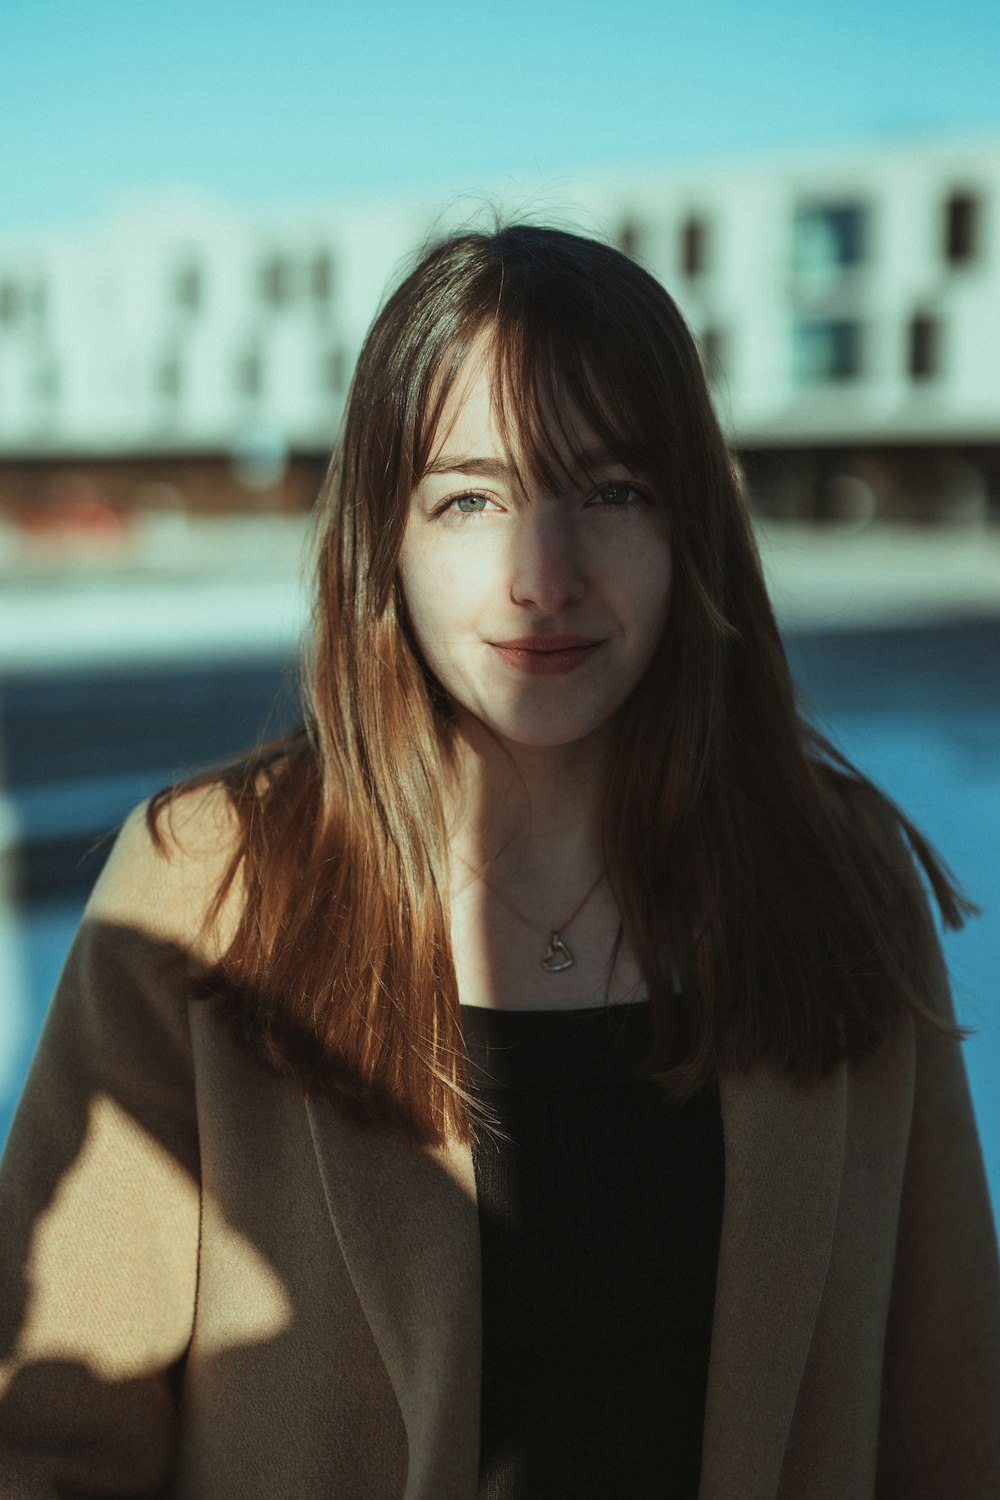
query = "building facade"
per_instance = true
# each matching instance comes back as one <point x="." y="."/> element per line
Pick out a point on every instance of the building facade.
<point x="185" y="354"/>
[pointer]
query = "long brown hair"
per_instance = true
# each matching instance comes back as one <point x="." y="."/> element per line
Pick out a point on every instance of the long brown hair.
<point x="733" y="830"/>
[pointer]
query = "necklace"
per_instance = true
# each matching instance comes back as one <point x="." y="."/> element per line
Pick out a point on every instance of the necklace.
<point x="557" y="955"/>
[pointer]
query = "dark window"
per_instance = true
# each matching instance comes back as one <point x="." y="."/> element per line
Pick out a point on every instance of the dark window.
<point x="694" y="246"/>
<point x="10" y="301"/>
<point x="38" y="301"/>
<point x="924" y="346"/>
<point x="335" y="371"/>
<point x="188" y="287"/>
<point x="827" y="349"/>
<point x="629" y="238"/>
<point x="961" y="228"/>
<point x="47" y="381"/>
<point x="250" y="373"/>
<point x="276" y="281"/>
<point x="321" y="276"/>
<point x="712" y="353"/>
<point x="830" y="237"/>
<point x="168" y="377"/>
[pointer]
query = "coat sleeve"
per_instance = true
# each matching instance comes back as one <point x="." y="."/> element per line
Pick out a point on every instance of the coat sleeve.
<point x="940" y="1427"/>
<point x="100" y="1200"/>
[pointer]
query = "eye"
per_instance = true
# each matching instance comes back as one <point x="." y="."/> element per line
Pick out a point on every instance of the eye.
<point x="619" y="495"/>
<point x="468" y="505"/>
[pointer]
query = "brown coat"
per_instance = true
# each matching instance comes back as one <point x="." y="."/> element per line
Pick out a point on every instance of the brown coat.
<point x="214" y="1288"/>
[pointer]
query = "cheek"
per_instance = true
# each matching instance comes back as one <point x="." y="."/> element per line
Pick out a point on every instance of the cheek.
<point x="644" y="585"/>
<point x="659" y="588"/>
<point x="437" y="602"/>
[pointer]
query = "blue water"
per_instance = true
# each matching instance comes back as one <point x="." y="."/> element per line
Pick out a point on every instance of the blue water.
<point x="918" y="710"/>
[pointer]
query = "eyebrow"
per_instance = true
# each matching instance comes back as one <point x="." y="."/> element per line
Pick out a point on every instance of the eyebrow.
<point x="453" y="463"/>
<point x="494" y="468"/>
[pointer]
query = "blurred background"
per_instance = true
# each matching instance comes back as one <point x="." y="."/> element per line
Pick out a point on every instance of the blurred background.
<point x="200" y="209"/>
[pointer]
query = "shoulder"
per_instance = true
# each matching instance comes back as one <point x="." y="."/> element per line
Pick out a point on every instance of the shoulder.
<point x="877" y="825"/>
<point x="165" y="871"/>
<point x="906" y="864"/>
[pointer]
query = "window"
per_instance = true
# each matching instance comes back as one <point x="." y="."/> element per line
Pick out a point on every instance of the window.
<point x="10" y="301"/>
<point x="829" y="238"/>
<point x="250" y="373"/>
<point x="694" y="246"/>
<point x="321" y="276"/>
<point x="46" y="381"/>
<point x="276" y="281"/>
<point x="826" y="349"/>
<point x="23" y="302"/>
<point x="189" y="287"/>
<point x="923" y="346"/>
<point x="712" y="345"/>
<point x="36" y="302"/>
<point x="961" y="228"/>
<point x="629" y="238"/>
<point x="167" y="377"/>
<point x="334" y="371"/>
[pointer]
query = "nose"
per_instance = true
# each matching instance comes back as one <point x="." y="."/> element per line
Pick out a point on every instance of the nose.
<point x="546" y="563"/>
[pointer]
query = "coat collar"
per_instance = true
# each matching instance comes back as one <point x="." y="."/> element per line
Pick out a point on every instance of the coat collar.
<point x="784" y="1147"/>
<point x="408" y="1227"/>
<point x="407" y="1224"/>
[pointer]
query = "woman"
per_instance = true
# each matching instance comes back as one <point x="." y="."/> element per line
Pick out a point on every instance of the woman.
<point x="537" y="1075"/>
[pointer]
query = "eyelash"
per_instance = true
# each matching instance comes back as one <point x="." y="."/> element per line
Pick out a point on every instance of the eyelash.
<point x="445" y="508"/>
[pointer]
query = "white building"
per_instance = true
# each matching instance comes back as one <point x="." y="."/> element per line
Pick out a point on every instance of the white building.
<point x="845" y="302"/>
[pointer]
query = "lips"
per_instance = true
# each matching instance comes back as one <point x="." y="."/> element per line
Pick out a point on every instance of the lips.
<point x="546" y="656"/>
<point x="546" y="643"/>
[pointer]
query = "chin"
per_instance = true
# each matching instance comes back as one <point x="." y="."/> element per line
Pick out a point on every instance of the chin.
<point x="546" y="728"/>
<point x="548" y="736"/>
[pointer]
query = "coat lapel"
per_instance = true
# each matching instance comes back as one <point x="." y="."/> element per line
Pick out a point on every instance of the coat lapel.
<point x="784" y="1148"/>
<point x="408" y="1227"/>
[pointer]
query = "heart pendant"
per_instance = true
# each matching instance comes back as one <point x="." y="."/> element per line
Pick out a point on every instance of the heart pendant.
<point x="557" y="955"/>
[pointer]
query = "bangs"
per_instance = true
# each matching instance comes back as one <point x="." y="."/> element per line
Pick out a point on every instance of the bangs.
<point x="561" y="416"/>
<point x="575" y="383"/>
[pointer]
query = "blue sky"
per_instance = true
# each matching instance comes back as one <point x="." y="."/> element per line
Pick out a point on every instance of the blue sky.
<point x="265" y="103"/>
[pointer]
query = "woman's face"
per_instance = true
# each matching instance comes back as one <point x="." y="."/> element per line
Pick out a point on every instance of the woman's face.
<point x="537" y="612"/>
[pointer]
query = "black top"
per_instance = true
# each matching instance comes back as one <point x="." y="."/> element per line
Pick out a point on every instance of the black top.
<point x="600" y="1208"/>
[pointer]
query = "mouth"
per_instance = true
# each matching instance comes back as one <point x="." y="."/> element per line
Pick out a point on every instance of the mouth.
<point x="546" y="642"/>
<point x="556" y="655"/>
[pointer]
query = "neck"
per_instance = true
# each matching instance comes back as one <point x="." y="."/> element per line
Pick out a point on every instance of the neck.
<point x="527" y="815"/>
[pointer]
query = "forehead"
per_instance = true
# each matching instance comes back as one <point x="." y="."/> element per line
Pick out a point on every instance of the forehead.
<point x="470" y="411"/>
<point x="534" y="428"/>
